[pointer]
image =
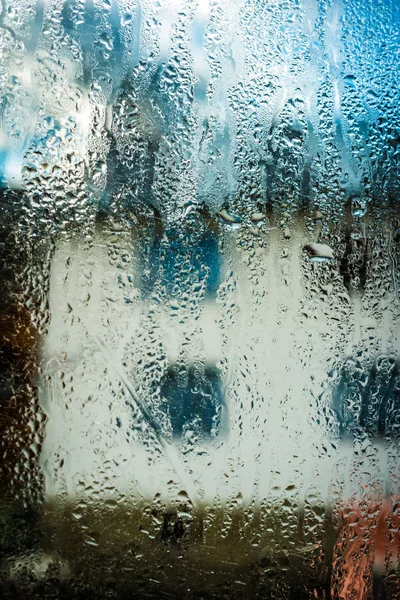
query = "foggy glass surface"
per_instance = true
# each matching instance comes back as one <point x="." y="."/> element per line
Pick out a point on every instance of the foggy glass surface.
<point x="200" y="258"/>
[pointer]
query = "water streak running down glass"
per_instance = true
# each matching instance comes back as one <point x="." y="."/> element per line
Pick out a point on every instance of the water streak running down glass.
<point x="200" y="313"/>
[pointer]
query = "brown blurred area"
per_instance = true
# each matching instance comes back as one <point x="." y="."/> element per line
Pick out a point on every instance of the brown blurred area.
<point x="21" y="419"/>
<point x="367" y="550"/>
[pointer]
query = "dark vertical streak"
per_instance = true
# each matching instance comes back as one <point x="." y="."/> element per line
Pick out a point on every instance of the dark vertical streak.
<point x="385" y="400"/>
<point x="366" y="396"/>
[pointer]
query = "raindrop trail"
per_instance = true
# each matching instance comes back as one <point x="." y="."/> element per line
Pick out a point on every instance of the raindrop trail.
<point x="170" y="452"/>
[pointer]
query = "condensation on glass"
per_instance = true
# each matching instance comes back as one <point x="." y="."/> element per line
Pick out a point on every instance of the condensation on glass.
<point x="200" y="254"/>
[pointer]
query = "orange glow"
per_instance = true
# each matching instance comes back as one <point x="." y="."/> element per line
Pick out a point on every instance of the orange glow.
<point x="368" y="544"/>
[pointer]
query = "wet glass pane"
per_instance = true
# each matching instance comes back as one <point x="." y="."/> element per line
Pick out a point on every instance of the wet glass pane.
<point x="200" y="258"/>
